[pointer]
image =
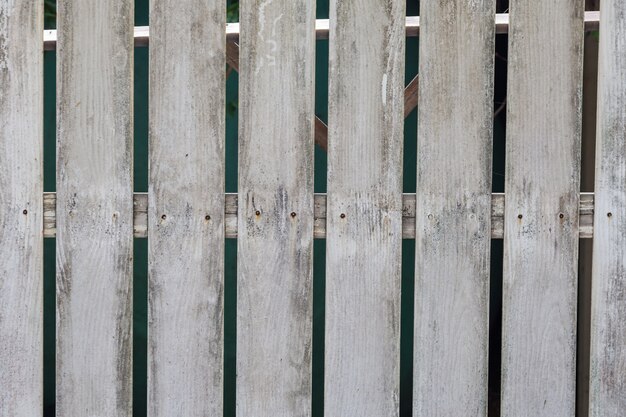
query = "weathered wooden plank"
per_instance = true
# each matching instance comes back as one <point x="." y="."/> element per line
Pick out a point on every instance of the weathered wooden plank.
<point x="186" y="209"/>
<point x="21" y="216"/>
<point x="274" y="262"/>
<point x="541" y="214"/>
<point x="140" y="215"/>
<point x="94" y="208"/>
<point x="364" y="222"/>
<point x="453" y="210"/>
<point x="607" y="393"/>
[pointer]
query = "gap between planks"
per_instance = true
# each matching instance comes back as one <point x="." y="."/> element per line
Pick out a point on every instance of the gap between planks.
<point x="142" y="33"/>
<point x="140" y="216"/>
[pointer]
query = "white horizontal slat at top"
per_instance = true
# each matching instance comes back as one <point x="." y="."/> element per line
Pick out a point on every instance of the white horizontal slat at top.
<point x="412" y="25"/>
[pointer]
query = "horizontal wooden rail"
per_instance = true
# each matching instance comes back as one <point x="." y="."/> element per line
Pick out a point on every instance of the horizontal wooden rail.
<point x="142" y="33"/>
<point x="408" y="216"/>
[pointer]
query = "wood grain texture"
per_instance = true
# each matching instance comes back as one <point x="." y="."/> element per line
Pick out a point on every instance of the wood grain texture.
<point x="453" y="208"/>
<point x="94" y="208"/>
<point x="21" y="208"/>
<point x="541" y="214"/>
<point x="231" y="203"/>
<point x="364" y="221"/>
<point x="274" y="262"/>
<point x="607" y="393"/>
<point x="186" y="208"/>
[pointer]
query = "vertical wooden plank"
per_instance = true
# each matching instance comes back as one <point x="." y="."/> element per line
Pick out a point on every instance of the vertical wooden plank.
<point x="364" y="212"/>
<point x="275" y="243"/>
<point x="453" y="208"/>
<point x="21" y="207"/>
<point x="186" y="218"/>
<point x="607" y="393"/>
<point x="94" y="207"/>
<point x="541" y="214"/>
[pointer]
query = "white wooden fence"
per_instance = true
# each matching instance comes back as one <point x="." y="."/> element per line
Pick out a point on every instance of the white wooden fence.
<point x="276" y="215"/>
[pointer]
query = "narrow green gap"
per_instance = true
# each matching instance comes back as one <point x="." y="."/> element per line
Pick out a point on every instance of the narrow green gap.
<point x="232" y="121"/>
<point x="319" y="245"/>
<point x="230" y="327"/>
<point x="408" y="246"/>
<point x="409" y="171"/>
<point x="321" y="111"/>
<point x="49" y="245"/>
<point x="497" y="246"/>
<point x="140" y="131"/>
<point x="49" y="327"/>
<point x="319" y="308"/>
<point x="406" y="327"/>
<point x="140" y="246"/>
<point x="49" y="121"/>
<point x="140" y="328"/>
<point x="230" y="249"/>
<point x="495" y="327"/>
